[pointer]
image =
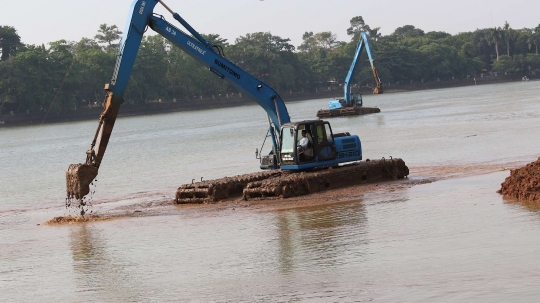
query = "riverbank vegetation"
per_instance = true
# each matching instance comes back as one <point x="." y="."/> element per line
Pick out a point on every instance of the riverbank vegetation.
<point x="69" y="75"/>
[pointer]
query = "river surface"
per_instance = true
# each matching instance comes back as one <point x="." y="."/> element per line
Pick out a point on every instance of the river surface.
<point x="452" y="240"/>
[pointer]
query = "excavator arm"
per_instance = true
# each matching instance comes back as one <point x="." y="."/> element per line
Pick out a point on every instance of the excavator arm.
<point x="363" y="44"/>
<point x="80" y="176"/>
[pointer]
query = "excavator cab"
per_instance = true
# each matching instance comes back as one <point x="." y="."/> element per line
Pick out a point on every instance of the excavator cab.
<point x="320" y="147"/>
<point x="357" y="99"/>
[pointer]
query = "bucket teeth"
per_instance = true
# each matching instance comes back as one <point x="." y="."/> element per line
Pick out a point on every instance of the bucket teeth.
<point x="78" y="180"/>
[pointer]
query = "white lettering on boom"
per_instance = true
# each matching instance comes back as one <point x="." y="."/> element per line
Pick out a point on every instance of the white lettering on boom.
<point x="195" y="47"/>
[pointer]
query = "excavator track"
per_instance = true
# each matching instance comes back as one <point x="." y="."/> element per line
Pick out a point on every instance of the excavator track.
<point x="280" y="184"/>
<point x="211" y="191"/>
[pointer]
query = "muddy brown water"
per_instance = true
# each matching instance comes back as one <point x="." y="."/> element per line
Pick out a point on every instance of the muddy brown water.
<point x="442" y="234"/>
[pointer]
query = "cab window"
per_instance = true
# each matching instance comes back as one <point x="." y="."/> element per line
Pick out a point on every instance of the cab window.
<point x="287" y="140"/>
<point x="324" y="133"/>
<point x="328" y="132"/>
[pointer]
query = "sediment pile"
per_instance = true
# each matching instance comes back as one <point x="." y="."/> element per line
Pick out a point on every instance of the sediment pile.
<point x="523" y="183"/>
<point x="279" y="184"/>
<point x="69" y="219"/>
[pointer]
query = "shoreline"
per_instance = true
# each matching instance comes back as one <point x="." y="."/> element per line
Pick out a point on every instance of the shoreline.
<point x="93" y="113"/>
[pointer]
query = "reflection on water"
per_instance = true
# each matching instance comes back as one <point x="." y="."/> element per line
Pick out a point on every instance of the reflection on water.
<point x="100" y="274"/>
<point x="321" y="236"/>
<point x="533" y="206"/>
<point x="287" y="242"/>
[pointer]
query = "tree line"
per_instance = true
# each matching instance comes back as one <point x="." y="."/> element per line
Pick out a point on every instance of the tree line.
<point x="66" y="75"/>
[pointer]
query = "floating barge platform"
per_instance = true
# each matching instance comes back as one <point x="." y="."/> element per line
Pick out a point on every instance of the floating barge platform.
<point x="347" y="111"/>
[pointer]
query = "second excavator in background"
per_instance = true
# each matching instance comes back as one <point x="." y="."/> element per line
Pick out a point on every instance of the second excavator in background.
<point x="352" y="104"/>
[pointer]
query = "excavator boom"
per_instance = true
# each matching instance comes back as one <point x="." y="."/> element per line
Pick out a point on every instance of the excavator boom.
<point x="79" y="176"/>
<point x="363" y="44"/>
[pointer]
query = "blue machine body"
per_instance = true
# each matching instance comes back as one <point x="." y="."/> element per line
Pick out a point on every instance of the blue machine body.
<point x="344" y="149"/>
<point x="350" y="100"/>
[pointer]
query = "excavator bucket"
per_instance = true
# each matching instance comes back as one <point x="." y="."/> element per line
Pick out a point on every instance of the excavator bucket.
<point x="78" y="180"/>
<point x="378" y="89"/>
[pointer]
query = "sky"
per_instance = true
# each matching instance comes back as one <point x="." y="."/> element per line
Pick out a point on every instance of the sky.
<point x="44" y="21"/>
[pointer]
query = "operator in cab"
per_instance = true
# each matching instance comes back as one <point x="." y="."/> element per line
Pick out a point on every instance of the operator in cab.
<point x="304" y="149"/>
<point x="303" y="143"/>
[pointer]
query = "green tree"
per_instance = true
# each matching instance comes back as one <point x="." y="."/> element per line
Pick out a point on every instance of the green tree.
<point x="64" y="83"/>
<point x="11" y="85"/>
<point x="533" y="63"/>
<point x="326" y="40"/>
<point x="401" y="62"/>
<point x="37" y="84"/>
<point x="94" y="68"/>
<point x="509" y="65"/>
<point x="468" y="50"/>
<point x="148" y="78"/>
<point x="374" y="34"/>
<point x="437" y="35"/>
<point x="441" y="61"/>
<point x="508" y="35"/>
<point x="267" y="57"/>
<point x="532" y="37"/>
<point x="309" y="43"/>
<point x="108" y="35"/>
<point x="10" y="42"/>
<point x="323" y="57"/>
<point x="357" y="26"/>
<point x="215" y="39"/>
<point x="339" y="61"/>
<point x="185" y="76"/>
<point x="408" y="31"/>
<point x="480" y="39"/>
<point x="537" y="35"/>
<point x="494" y="37"/>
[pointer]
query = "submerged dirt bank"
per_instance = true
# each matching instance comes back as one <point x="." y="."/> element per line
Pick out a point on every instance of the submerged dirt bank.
<point x="69" y="219"/>
<point x="155" y="206"/>
<point x="523" y="183"/>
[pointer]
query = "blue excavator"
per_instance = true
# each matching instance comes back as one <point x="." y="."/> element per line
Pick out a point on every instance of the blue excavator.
<point x="324" y="149"/>
<point x="351" y="104"/>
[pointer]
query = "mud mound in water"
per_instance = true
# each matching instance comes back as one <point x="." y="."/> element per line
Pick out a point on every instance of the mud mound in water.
<point x="69" y="219"/>
<point x="523" y="183"/>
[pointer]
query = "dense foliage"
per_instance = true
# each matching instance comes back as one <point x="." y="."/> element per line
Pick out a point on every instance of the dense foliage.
<point x="66" y="75"/>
